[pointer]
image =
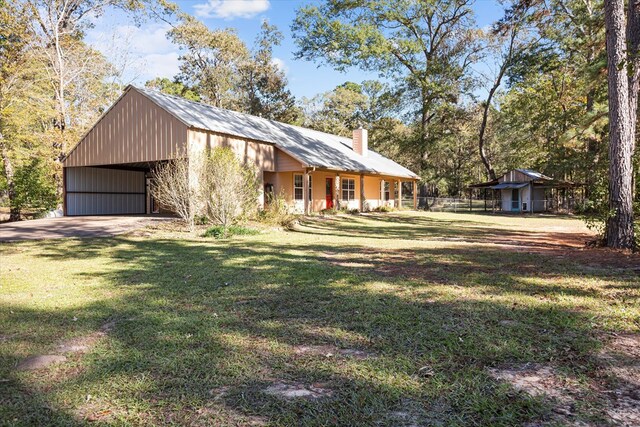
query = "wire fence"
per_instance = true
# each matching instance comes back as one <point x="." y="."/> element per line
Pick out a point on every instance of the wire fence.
<point x="465" y="204"/>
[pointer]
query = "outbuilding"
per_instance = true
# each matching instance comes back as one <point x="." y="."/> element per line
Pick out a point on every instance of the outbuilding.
<point x="109" y="171"/>
<point x="524" y="190"/>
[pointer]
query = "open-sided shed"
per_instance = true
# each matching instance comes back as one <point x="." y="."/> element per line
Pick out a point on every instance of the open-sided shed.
<point x="523" y="190"/>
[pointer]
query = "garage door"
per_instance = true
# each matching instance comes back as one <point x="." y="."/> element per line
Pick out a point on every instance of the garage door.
<point x="100" y="191"/>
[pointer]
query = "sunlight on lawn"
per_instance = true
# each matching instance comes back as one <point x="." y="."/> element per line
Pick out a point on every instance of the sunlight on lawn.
<point x="372" y="316"/>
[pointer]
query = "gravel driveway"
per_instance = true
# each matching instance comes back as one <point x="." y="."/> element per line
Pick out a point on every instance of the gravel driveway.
<point x="76" y="226"/>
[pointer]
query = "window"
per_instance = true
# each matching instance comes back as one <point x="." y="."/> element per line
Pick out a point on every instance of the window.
<point x="298" y="188"/>
<point x="348" y="189"/>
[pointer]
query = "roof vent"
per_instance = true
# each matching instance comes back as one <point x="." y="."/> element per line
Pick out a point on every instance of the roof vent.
<point x="361" y="141"/>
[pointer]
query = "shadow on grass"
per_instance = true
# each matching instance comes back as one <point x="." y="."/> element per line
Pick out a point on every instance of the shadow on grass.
<point x="204" y="327"/>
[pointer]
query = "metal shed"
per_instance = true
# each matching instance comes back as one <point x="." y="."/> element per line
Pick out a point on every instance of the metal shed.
<point x="106" y="172"/>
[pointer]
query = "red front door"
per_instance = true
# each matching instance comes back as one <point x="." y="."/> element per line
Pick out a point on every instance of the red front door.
<point x="329" y="193"/>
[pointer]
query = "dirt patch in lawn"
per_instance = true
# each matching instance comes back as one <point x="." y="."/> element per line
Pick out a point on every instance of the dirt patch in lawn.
<point x="329" y="351"/>
<point x="620" y="360"/>
<point x="81" y="344"/>
<point x="293" y="390"/>
<point x="613" y="394"/>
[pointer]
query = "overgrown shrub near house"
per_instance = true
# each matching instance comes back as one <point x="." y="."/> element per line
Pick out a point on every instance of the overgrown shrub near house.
<point x="229" y="188"/>
<point x="277" y="211"/>
<point x="383" y="208"/>
<point x="171" y="188"/>
<point x="214" y="188"/>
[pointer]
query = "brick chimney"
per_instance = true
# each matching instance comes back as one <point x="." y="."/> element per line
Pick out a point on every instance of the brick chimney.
<point x="360" y="141"/>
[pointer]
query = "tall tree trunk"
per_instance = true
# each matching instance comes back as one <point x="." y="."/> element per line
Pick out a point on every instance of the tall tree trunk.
<point x="619" y="232"/>
<point x="14" y="212"/>
<point x="633" y="43"/>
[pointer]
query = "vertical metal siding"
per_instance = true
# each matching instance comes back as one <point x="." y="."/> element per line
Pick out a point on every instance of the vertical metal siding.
<point x="134" y="130"/>
<point x="249" y="151"/>
<point x="98" y="191"/>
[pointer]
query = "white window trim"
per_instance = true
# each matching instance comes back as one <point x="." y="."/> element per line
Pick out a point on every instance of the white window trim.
<point x="343" y="181"/>
<point x="310" y="195"/>
<point x="296" y="187"/>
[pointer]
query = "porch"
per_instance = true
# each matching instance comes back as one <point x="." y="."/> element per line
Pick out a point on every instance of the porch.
<point x="316" y="190"/>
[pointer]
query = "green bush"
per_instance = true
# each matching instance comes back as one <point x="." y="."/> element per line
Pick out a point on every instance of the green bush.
<point x="277" y="212"/>
<point x="35" y="187"/>
<point x="383" y="208"/>
<point x="221" y="232"/>
<point x="331" y="211"/>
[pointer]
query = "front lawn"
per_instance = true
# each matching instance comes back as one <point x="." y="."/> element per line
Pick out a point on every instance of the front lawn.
<point x="381" y="320"/>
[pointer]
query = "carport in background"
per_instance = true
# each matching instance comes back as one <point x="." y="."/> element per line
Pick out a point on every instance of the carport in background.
<point x="104" y="191"/>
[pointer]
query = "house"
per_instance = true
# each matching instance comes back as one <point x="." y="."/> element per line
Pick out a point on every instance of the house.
<point x="109" y="171"/>
<point x="524" y="190"/>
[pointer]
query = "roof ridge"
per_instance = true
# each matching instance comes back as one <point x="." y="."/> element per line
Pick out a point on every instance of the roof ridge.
<point x="213" y="107"/>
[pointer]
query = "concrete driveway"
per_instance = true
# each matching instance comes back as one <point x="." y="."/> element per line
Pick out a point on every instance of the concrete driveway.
<point x="75" y="226"/>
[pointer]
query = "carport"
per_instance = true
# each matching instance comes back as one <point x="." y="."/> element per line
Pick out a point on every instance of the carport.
<point x="108" y="172"/>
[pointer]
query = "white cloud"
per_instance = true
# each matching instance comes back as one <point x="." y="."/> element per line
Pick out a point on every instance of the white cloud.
<point x="229" y="9"/>
<point x="146" y="51"/>
<point x="282" y="66"/>
<point x="161" y="65"/>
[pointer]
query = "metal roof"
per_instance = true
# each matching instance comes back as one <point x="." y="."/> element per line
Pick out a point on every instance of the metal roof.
<point x="312" y="148"/>
<point x="513" y="185"/>
<point x="534" y="174"/>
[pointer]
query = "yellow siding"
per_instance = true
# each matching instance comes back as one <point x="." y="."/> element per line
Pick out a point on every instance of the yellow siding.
<point x="283" y="185"/>
<point x="133" y="130"/>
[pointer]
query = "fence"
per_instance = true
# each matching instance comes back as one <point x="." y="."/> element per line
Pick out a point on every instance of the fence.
<point x="464" y="204"/>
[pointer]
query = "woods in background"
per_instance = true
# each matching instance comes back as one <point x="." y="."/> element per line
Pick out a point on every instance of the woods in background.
<point x="454" y="102"/>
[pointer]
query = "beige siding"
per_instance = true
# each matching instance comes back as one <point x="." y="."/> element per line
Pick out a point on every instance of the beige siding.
<point x="133" y="130"/>
<point x="251" y="152"/>
<point x="286" y="163"/>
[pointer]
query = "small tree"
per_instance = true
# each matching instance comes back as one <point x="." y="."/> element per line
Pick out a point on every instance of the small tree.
<point x="229" y="188"/>
<point x="172" y="188"/>
<point x="34" y="189"/>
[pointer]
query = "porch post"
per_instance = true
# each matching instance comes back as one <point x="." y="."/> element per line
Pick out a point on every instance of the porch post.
<point x="399" y="194"/>
<point x="415" y="195"/>
<point x="261" y="193"/>
<point x="337" y="192"/>
<point x="531" y="196"/>
<point x="361" y="192"/>
<point x="305" y="191"/>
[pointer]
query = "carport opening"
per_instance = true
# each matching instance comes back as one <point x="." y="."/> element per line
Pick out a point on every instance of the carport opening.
<point x="122" y="189"/>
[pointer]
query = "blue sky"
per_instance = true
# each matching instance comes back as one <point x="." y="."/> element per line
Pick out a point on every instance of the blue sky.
<point x="144" y="52"/>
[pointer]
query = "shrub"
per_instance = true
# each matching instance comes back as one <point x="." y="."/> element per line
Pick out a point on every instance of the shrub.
<point x="331" y="211"/>
<point x="214" y="188"/>
<point x="171" y="188"/>
<point x="35" y="188"/>
<point x="383" y="208"/>
<point x="350" y="211"/>
<point x="221" y="232"/>
<point x="229" y="189"/>
<point x="277" y="212"/>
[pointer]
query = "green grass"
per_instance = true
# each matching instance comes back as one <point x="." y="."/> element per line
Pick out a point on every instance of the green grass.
<point x="219" y="232"/>
<point x="195" y="317"/>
